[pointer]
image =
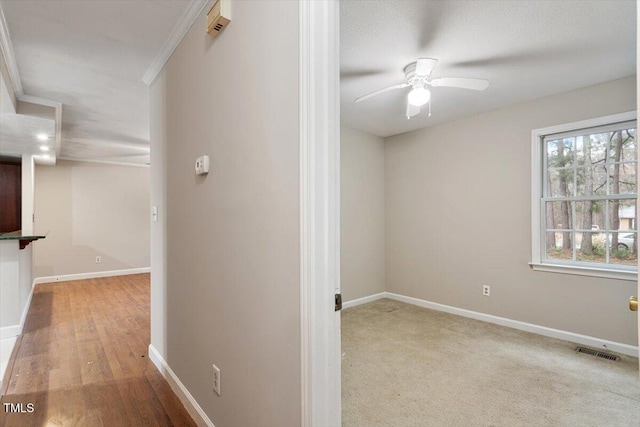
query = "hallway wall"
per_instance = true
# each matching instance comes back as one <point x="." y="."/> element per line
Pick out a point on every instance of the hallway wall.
<point x="229" y="293"/>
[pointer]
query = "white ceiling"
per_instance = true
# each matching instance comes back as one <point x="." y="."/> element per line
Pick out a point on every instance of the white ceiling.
<point x="18" y="131"/>
<point x="91" y="56"/>
<point x="526" y="49"/>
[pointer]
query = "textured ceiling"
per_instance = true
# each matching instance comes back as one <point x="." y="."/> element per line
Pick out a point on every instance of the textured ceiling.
<point x="18" y="135"/>
<point x="526" y="49"/>
<point x="91" y="56"/>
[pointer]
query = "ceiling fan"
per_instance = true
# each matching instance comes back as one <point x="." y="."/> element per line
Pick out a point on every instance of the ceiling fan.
<point x="417" y="77"/>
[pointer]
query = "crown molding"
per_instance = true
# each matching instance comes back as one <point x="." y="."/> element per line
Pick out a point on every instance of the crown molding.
<point x="7" y="52"/>
<point x="179" y="31"/>
<point x="41" y="101"/>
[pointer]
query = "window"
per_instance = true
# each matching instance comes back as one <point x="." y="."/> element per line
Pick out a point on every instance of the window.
<point x="584" y="197"/>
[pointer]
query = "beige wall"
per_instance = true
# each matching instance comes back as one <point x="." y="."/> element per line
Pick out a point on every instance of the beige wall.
<point x="478" y="172"/>
<point x="91" y="209"/>
<point x="231" y="295"/>
<point x="362" y="214"/>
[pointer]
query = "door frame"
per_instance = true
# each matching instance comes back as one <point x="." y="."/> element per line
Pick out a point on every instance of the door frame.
<point x="320" y="212"/>
<point x="638" y="154"/>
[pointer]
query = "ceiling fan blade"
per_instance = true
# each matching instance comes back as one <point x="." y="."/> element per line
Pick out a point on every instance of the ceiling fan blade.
<point x="425" y="66"/>
<point x="377" y="92"/>
<point x="350" y="74"/>
<point x="412" y="110"/>
<point x="464" y="83"/>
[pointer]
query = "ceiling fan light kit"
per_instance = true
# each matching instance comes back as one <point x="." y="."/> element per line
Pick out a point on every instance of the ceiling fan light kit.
<point x="418" y="76"/>
<point x="419" y="96"/>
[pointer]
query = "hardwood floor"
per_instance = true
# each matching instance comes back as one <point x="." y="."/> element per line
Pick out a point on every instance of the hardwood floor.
<point x="83" y="361"/>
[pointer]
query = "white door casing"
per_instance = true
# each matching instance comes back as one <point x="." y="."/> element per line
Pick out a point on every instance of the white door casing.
<point x="637" y="102"/>
<point x="320" y="212"/>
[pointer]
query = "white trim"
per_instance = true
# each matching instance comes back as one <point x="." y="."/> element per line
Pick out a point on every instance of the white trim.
<point x="536" y="195"/>
<point x="25" y="310"/>
<point x="4" y="364"/>
<point x="583" y="124"/>
<point x="586" y="271"/>
<point x="363" y="300"/>
<point x="105" y="162"/>
<point x="9" y="57"/>
<point x="627" y="349"/>
<point x="638" y="154"/>
<point x="10" y="331"/>
<point x="305" y="234"/>
<point x="93" y="275"/>
<point x="15" y="330"/>
<point x="319" y="213"/>
<point x="190" y="404"/>
<point x="6" y="101"/>
<point x="40" y="101"/>
<point x="179" y="31"/>
<point x="537" y="231"/>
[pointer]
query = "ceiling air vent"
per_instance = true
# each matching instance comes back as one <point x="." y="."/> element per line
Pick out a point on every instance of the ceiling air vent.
<point x="218" y="17"/>
<point x="596" y="353"/>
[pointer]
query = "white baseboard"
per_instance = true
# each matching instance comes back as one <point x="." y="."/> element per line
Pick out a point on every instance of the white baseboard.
<point x="364" y="300"/>
<point x="179" y="389"/>
<point x="94" y="275"/>
<point x="10" y="331"/>
<point x="25" y="311"/>
<point x="7" y="346"/>
<point x="627" y="349"/>
<point x="15" y="330"/>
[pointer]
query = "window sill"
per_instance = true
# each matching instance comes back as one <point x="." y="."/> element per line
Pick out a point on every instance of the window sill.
<point x="629" y="275"/>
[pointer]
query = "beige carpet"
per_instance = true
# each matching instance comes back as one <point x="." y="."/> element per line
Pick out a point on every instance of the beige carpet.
<point x="408" y="366"/>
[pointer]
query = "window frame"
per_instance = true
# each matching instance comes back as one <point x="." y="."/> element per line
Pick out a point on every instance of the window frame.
<point x="538" y="170"/>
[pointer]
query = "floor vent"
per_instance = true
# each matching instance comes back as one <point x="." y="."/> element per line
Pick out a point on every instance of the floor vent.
<point x="597" y="353"/>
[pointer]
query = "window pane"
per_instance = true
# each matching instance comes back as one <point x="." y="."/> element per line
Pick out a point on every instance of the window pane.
<point x="624" y="248"/>
<point x="592" y="180"/>
<point x="623" y="145"/>
<point x="560" y="183"/>
<point x="558" y="245"/>
<point x="559" y="215"/>
<point x="594" y="149"/>
<point x="600" y="180"/>
<point x="590" y="215"/>
<point x="623" y="178"/>
<point x="630" y="147"/>
<point x="560" y="152"/>
<point x="590" y="247"/>
<point x="622" y="215"/>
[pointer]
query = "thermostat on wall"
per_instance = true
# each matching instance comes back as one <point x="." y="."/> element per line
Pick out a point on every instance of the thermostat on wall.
<point x="202" y="165"/>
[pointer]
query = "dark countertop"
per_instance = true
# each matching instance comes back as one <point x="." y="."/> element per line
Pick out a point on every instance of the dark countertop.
<point x="23" y="235"/>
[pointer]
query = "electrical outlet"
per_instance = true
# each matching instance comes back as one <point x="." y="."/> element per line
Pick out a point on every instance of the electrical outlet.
<point x="216" y="379"/>
<point x="486" y="290"/>
<point x="98" y="260"/>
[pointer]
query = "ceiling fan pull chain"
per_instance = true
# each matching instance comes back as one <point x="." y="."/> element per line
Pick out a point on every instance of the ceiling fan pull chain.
<point x="429" y="108"/>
